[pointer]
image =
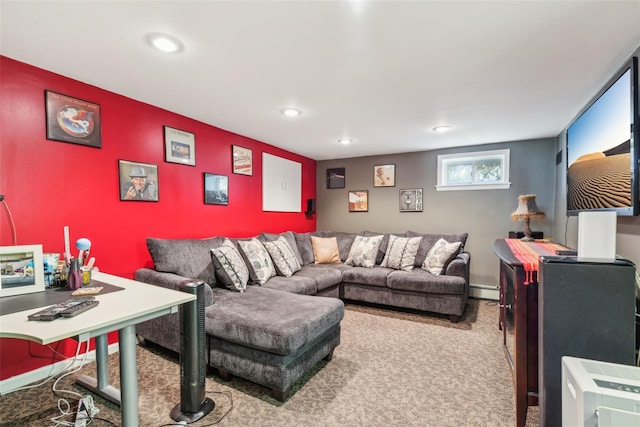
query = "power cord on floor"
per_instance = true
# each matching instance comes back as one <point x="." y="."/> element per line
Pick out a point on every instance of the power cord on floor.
<point x="225" y="393"/>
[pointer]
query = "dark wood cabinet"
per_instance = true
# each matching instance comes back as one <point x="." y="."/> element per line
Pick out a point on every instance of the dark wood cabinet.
<point x="518" y="321"/>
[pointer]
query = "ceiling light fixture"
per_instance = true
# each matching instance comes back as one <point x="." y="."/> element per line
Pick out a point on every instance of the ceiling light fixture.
<point x="442" y="129"/>
<point x="345" y="141"/>
<point x="291" y="112"/>
<point x="165" y="43"/>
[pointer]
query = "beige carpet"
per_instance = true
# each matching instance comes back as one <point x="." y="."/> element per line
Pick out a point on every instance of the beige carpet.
<point x="392" y="369"/>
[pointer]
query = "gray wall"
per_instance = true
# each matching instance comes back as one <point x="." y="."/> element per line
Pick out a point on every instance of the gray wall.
<point x="484" y="214"/>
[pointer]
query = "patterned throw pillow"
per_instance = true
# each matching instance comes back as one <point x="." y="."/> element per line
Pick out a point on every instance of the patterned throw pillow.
<point x="230" y="267"/>
<point x="364" y="250"/>
<point x="325" y="250"/>
<point x="440" y="255"/>
<point x="283" y="257"/>
<point x="258" y="261"/>
<point x="401" y="252"/>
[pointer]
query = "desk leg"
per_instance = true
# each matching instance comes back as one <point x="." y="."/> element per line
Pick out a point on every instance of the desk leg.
<point x="128" y="376"/>
<point x="100" y="385"/>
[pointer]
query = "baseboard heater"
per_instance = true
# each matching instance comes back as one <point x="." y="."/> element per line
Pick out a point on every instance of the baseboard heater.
<point x="484" y="292"/>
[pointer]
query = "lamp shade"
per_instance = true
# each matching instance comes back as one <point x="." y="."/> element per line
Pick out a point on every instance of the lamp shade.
<point x="527" y="208"/>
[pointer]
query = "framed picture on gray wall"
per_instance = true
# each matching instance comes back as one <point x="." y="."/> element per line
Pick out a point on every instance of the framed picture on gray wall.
<point x="411" y="200"/>
<point x="335" y="178"/>
<point x="384" y="176"/>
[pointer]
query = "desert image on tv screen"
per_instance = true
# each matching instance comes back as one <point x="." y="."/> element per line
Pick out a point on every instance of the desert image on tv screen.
<point x="599" y="152"/>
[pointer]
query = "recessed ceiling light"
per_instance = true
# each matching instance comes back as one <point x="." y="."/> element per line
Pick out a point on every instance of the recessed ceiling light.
<point x="165" y="43"/>
<point x="291" y="112"/>
<point x="442" y="129"/>
<point x="345" y="141"/>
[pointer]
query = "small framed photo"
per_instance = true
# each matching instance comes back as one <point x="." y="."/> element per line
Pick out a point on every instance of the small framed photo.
<point x="216" y="189"/>
<point x="384" y="176"/>
<point x="411" y="200"/>
<point x="73" y="120"/>
<point x="242" y="160"/>
<point x="180" y="146"/>
<point x="335" y="178"/>
<point x="138" y="181"/>
<point x="359" y="201"/>
<point x="22" y="270"/>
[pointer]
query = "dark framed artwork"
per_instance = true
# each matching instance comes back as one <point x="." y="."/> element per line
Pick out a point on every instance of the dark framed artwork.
<point x="242" y="159"/>
<point x="138" y="181"/>
<point x="384" y="176"/>
<point x="73" y="120"/>
<point x="359" y="201"/>
<point x="179" y="146"/>
<point x="411" y="200"/>
<point x="216" y="189"/>
<point x="335" y="178"/>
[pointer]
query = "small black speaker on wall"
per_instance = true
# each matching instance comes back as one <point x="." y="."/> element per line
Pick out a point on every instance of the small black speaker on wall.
<point x="193" y="402"/>
<point x="311" y="206"/>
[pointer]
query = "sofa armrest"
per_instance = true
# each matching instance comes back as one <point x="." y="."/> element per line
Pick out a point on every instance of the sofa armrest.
<point x="460" y="266"/>
<point x="169" y="281"/>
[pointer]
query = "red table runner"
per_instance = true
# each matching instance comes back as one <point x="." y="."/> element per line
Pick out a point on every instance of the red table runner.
<point x="528" y="254"/>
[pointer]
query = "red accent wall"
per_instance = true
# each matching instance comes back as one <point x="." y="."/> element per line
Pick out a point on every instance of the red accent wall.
<point x="49" y="184"/>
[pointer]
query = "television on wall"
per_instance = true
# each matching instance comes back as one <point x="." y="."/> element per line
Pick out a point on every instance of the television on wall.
<point x="602" y="149"/>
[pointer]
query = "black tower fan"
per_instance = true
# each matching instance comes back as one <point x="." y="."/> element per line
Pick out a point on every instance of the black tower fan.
<point x="193" y="402"/>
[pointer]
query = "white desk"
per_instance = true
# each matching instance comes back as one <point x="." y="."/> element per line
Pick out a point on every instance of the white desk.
<point x="121" y="311"/>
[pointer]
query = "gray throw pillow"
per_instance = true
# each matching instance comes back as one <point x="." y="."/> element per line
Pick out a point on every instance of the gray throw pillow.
<point x="283" y="257"/>
<point x="440" y="255"/>
<point x="258" y="261"/>
<point x="364" y="250"/>
<point x="401" y="252"/>
<point x="230" y="267"/>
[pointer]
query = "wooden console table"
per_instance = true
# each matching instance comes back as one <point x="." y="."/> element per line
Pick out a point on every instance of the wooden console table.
<point x="518" y="321"/>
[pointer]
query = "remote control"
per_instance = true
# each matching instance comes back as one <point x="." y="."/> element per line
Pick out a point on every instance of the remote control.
<point x="55" y="311"/>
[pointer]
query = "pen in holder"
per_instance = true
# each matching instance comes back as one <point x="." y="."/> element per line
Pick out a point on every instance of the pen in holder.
<point x="74" y="278"/>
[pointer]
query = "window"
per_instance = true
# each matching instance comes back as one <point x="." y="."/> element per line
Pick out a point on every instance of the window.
<point x="480" y="170"/>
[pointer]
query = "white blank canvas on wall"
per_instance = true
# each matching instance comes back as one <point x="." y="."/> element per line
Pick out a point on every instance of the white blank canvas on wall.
<point x="281" y="184"/>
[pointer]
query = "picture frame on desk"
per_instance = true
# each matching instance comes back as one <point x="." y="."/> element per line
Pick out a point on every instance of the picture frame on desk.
<point x="22" y="269"/>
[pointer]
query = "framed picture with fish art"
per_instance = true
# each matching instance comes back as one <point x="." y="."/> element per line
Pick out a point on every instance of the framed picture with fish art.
<point x="73" y="120"/>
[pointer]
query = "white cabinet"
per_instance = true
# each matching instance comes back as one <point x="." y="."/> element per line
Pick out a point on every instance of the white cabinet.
<point x="281" y="184"/>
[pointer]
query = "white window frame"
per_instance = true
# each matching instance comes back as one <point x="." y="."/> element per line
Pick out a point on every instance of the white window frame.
<point x="445" y="159"/>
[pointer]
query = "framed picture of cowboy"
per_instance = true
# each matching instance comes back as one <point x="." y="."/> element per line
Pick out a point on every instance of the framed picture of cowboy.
<point x="138" y="181"/>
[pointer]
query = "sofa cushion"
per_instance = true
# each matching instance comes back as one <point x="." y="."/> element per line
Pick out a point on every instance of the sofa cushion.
<point x="440" y="255"/>
<point x="364" y="251"/>
<point x="303" y="242"/>
<point x="325" y="250"/>
<point x="428" y="240"/>
<point x="419" y="280"/>
<point x="376" y="276"/>
<point x="270" y="320"/>
<point x="257" y="259"/>
<point x="185" y="257"/>
<point x="401" y="252"/>
<point x="283" y="257"/>
<point x="324" y="275"/>
<point x="230" y="267"/>
<point x="383" y="245"/>
<point x="289" y="237"/>
<point x="345" y="241"/>
<point x="296" y="284"/>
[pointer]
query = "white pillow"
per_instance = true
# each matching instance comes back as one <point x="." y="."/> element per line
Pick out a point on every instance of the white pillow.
<point x="364" y="251"/>
<point x="258" y="260"/>
<point x="439" y="256"/>
<point x="401" y="252"/>
<point x="283" y="257"/>
<point x="230" y="267"/>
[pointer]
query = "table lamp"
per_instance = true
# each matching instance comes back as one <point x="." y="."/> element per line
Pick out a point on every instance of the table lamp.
<point x="526" y="210"/>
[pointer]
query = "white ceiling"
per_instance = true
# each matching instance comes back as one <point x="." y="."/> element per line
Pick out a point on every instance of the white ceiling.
<point x="381" y="72"/>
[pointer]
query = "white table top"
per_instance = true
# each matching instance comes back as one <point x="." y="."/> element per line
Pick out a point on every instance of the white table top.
<point x="137" y="302"/>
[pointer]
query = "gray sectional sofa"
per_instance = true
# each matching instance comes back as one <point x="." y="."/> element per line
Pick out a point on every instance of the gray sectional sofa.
<point x="273" y="331"/>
